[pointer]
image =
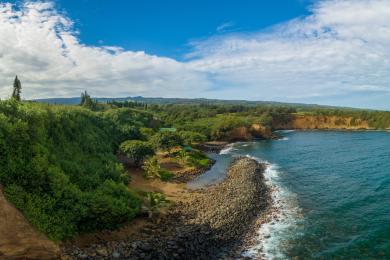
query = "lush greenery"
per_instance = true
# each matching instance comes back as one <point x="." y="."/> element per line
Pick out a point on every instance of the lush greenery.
<point x="152" y="169"/>
<point x="166" y="140"/>
<point x="57" y="165"/>
<point x="136" y="150"/>
<point x="193" y="158"/>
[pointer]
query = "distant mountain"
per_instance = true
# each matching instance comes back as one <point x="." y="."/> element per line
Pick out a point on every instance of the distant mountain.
<point x="159" y="100"/>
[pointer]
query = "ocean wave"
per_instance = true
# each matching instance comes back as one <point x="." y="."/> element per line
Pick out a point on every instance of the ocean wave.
<point x="283" y="220"/>
<point x="228" y="149"/>
<point x="285" y="131"/>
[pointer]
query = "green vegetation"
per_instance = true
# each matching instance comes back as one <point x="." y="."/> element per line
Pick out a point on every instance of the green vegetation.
<point x="193" y="158"/>
<point x="17" y="89"/>
<point x="87" y="101"/>
<point x="58" y="166"/>
<point x="152" y="169"/>
<point x="136" y="150"/>
<point x="58" y="163"/>
<point x="155" y="200"/>
<point x="166" y="140"/>
<point x="191" y="137"/>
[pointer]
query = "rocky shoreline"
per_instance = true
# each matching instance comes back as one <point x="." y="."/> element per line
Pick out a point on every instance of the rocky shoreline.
<point x="209" y="223"/>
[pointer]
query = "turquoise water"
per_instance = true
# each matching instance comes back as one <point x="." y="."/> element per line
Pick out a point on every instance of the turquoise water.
<point x="332" y="192"/>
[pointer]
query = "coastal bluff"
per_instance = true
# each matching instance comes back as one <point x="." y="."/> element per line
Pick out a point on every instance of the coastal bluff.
<point x="307" y="122"/>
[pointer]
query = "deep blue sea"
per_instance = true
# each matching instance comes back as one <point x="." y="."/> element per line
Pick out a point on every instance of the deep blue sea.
<point x="331" y="190"/>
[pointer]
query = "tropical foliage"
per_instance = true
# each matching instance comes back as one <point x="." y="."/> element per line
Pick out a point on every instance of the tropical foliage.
<point x="57" y="165"/>
<point x="136" y="150"/>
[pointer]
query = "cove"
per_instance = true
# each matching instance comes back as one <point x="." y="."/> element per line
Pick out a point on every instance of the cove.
<point x="332" y="189"/>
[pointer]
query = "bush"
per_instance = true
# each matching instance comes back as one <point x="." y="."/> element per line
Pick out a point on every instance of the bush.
<point x="165" y="175"/>
<point x="198" y="159"/>
<point x="146" y="133"/>
<point x="155" y="200"/>
<point x="166" y="140"/>
<point x="190" y="137"/>
<point x="136" y="150"/>
<point x="151" y="167"/>
<point x="109" y="206"/>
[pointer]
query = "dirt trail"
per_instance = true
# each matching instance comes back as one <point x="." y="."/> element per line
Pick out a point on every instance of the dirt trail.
<point x="18" y="239"/>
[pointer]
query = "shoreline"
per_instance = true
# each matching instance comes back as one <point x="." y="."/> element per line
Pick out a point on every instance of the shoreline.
<point x="212" y="222"/>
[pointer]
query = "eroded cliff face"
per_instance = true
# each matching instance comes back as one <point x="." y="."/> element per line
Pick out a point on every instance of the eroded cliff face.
<point x="249" y="133"/>
<point x="304" y="122"/>
<point x="321" y="122"/>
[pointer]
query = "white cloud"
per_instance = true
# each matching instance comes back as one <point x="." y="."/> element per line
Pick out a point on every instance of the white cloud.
<point x="38" y="44"/>
<point x="342" y="48"/>
<point x="225" y="27"/>
<point x="340" y="53"/>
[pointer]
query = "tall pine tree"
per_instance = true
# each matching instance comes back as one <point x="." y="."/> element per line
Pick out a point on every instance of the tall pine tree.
<point x="87" y="101"/>
<point x="17" y="89"/>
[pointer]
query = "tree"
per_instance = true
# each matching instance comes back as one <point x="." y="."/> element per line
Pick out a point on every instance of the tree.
<point x="190" y="137"/>
<point x="166" y="140"/>
<point x="17" y="89"/>
<point x="136" y="150"/>
<point x="87" y="101"/>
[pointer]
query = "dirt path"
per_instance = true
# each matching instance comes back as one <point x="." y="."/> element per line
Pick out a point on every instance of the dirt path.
<point x="18" y="239"/>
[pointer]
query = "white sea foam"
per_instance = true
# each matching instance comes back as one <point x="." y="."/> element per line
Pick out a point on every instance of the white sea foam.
<point x="282" y="224"/>
<point x="285" y="131"/>
<point x="283" y="139"/>
<point x="228" y="149"/>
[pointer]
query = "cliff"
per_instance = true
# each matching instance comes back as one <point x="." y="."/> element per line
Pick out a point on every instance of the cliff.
<point x="296" y="121"/>
<point x="321" y="122"/>
<point x="249" y="133"/>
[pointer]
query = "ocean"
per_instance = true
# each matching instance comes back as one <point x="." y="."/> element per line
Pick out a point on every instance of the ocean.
<point x="331" y="190"/>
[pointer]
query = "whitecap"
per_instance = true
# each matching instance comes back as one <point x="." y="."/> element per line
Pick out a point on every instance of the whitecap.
<point x="228" y="149"/>
<point x="283" y="223"/>
<point x="285" y="131"/>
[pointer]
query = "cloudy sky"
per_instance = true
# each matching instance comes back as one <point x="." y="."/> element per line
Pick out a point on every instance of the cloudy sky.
<point x="334" y="52"/>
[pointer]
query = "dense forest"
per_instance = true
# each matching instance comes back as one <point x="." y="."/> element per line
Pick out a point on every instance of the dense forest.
<point x="59" y="163"/>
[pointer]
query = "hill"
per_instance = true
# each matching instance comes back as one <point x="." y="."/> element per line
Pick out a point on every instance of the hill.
<point x="183" y="101"/>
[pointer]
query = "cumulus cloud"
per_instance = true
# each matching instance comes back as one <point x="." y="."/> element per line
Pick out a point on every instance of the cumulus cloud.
<point x="340" y="54"/>
<point x="342" y="49"/>
<point x="39" y="44"/>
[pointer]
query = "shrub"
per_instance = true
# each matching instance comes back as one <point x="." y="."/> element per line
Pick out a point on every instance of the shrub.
<point x="146" y="133"/>
<point x="155" y="200"/>
<point x="165" y="175"/>
<point x="190" y="137"/>
<point x="198" y="159"/>
<point x="166" y="140"/>
<point x="109" y="206"/>
<point x="136" y="150"/>
<point x="151" y="167"/>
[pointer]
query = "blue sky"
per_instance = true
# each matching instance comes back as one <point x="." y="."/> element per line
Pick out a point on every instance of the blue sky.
<point x="166" y="27"/>
<point x="331" y="52"/>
